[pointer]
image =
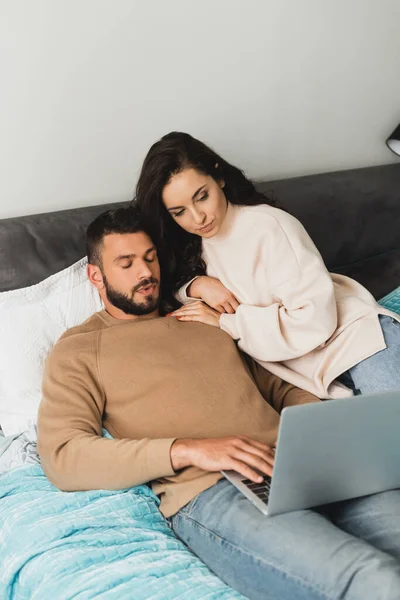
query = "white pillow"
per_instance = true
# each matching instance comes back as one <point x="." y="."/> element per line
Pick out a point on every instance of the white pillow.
<point x="31" y="321"/>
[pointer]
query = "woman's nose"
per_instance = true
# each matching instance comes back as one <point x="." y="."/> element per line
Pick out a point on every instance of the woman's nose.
<point x="199" y="217"/>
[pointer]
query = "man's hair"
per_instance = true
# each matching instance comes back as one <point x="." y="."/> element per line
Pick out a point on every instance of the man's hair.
<point x="118" y="220"/>
<point x="127" y="220"/>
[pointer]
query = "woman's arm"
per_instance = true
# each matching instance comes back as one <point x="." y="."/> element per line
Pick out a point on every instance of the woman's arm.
<point x="183" y="294"/>
<point x="211" y="291"/>
<point x="303" y="314"/>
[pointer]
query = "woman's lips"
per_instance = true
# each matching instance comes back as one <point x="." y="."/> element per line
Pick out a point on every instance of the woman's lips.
<point x="206" y="228"/>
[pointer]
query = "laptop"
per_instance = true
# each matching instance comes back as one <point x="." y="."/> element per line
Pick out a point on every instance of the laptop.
<point x="330" y="451"/>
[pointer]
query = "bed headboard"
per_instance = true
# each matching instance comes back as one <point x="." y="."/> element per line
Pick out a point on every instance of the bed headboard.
<point x="353" y="217"/>
<point x="36" y="246"/>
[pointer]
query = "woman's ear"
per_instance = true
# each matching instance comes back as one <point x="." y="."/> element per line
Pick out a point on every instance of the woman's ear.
<point x="221" y="182"/>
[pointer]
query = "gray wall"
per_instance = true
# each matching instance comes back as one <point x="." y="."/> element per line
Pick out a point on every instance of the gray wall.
<point x="279" y="87"/>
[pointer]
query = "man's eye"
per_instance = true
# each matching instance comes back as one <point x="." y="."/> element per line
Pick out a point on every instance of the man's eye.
<point x="127" y="266"/>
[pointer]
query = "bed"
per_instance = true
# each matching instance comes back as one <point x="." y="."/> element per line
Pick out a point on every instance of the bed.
<point x="116" y="544"/>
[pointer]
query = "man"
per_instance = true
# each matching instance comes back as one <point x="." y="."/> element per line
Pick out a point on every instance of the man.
<point x="182" y="404"/>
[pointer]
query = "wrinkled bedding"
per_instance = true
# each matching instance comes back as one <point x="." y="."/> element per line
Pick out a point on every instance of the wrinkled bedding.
<point x="17" y="450"/>
<point x="96" y="544"/>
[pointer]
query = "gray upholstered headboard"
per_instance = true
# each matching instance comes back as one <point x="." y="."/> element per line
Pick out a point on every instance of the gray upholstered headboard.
<point x="353" y="217"/>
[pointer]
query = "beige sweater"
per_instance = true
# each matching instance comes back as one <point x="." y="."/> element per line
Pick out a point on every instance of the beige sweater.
<point x="297" y="320"/>
<point x="149" y="382"/>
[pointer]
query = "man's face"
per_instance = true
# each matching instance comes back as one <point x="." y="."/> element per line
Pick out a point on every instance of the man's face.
<point x="130" y="273"/>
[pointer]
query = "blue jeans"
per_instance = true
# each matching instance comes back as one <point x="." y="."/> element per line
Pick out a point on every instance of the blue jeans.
<point x="345" y="550"/>
<point x="381" y="371"/>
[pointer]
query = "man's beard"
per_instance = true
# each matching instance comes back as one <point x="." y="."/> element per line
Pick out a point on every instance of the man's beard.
<point x="127" y="304"/>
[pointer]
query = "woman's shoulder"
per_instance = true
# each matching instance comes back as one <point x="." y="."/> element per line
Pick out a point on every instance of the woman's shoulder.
<point x="263" y="215"/>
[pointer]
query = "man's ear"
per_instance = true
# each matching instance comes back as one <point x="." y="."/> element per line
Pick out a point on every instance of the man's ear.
<point x="95" y="276"/>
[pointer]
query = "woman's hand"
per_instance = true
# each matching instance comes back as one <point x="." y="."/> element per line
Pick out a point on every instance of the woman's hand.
<point x="214" y="293"/>
<point x="197" y="311"/>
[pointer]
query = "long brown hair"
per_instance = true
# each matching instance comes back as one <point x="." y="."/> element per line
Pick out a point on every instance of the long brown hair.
<point x="172" y="154"/>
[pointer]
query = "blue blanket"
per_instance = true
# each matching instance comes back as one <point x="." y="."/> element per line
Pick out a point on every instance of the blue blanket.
<point x="99" y="544"/>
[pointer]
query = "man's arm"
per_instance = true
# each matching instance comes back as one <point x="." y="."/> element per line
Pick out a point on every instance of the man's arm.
<point x="277" y="392"/>
<point x="73" y="452"/>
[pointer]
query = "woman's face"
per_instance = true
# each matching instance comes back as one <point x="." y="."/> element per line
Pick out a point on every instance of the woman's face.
<point x="196" y="202"/>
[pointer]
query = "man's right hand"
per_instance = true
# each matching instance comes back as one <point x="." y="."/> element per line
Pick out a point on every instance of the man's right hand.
<point x="240" y="453"/>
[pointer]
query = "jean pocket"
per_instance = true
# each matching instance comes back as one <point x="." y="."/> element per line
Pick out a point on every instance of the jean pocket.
<point x="187" y="509"/>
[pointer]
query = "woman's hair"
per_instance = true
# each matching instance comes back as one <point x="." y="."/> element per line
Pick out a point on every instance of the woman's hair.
<point x="169" y="156"/>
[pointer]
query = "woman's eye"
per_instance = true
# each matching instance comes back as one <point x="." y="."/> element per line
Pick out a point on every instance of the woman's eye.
<point x="178" y="214"/>
<point x="203" y="197"/>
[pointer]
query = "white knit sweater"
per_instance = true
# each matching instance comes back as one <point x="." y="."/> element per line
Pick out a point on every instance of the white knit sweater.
<point x="296" y="319"/>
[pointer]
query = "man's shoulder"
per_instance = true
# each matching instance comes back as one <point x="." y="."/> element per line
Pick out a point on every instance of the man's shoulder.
<point x="81" y="337"/>
<point x="75" y="355"/>
<point x="91" y="325"/>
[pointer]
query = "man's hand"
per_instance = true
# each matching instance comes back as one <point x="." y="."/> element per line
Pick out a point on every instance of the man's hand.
<point x="241" y="453"/>
<point x="213" y="293"/>
<point x="197" y="311"/>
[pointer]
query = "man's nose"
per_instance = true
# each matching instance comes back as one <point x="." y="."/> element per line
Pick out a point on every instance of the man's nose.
<point x="144" y="271"/>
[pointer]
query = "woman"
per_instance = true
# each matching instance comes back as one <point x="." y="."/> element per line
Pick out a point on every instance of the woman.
<point x="257" y="275"/>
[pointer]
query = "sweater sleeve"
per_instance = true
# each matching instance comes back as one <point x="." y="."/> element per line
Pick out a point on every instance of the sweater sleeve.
<point x="303" y="314"/>
<point x="73" y="453"/>
<point x="277" y="392"/>
<point x="181" y="294"/>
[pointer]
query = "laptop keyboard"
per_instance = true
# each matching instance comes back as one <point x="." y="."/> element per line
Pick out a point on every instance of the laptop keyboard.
<point x="261" y="490"/>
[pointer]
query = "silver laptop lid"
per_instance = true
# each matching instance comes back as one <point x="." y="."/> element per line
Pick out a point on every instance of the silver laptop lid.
<point x="336" y="450"/>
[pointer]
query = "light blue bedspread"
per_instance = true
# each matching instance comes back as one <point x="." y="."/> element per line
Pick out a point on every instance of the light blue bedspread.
<point x="100" y="544"/>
